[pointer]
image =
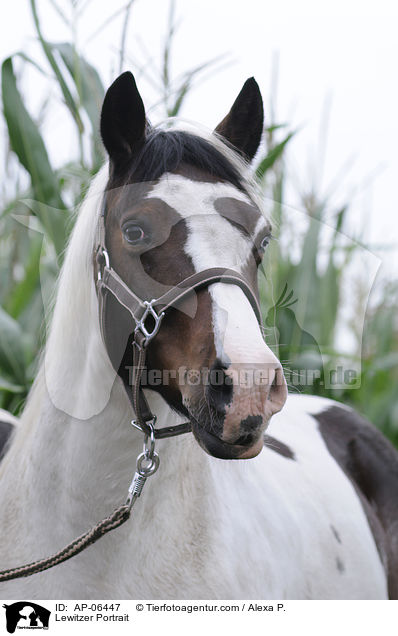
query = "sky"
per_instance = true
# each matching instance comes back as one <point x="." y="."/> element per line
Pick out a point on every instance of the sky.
<point x="328" y="69"/>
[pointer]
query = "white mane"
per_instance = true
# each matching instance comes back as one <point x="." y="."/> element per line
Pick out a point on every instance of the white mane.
<point x="74" y="355"/>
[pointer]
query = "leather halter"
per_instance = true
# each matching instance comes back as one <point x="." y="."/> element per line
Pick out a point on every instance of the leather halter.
<point x="109" y="282"/>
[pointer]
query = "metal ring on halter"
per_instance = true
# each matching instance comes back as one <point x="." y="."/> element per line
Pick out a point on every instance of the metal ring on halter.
<point x="149" y="311"/>
<point x="106" y="259"/>
<point x="150" y="424"/>
<point x="146" y="471"/>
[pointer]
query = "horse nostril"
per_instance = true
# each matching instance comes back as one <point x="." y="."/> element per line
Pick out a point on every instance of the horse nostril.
<point x="220" y="387"/>
<point x="278" y="391"/>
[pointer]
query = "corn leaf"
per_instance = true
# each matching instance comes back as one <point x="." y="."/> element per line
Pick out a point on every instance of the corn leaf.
<point x="12" y="353"/>
<point x="69" y="101"/>
<point x="28" y="145"/>
<point x="23" y="292"/>
<point x="273" y="155"/>
<point x="89" y="88"/>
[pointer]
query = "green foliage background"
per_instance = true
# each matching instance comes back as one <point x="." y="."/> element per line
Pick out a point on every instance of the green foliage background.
<point x="43" y="197"/>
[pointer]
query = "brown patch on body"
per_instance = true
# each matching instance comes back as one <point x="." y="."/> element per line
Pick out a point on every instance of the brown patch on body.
<point x="371" y="464"/>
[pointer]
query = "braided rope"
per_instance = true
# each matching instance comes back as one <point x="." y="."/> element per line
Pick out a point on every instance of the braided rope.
<point x="116" y="519"/>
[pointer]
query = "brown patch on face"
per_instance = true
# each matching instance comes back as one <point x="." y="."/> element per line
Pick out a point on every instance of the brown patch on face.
<point x="186" y="336"/>
<point x="245" y="218"/>
<point x="167" y="263"/>
<point x="185" y="345"/>
<point x="137" y="264"/>
<point x="242" y="215"/>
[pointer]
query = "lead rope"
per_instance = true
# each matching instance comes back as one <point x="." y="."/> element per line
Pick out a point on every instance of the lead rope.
<point x="146" y="465"/>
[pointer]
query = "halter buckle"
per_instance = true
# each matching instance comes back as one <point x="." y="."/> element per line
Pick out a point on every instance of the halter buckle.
<point x="149" y="311"/>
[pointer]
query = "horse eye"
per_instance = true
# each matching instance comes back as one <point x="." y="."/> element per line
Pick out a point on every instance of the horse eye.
<point x="134" y="234"/>
<point x="264" y="243"/>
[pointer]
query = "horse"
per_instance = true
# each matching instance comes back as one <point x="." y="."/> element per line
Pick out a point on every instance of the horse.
<point x="270" y="495"/>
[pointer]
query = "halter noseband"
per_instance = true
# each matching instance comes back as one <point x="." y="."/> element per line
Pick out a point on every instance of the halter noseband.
<point x="109" y="282"/>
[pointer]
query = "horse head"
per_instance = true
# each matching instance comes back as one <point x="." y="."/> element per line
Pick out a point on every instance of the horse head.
<point x="178" y="203"/>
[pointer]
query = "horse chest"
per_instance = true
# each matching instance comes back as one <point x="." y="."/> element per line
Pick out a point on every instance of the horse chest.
<point x="263" y="529"/>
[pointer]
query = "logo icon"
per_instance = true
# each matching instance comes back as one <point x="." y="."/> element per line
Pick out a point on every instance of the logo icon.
<point x="26" y="615"/>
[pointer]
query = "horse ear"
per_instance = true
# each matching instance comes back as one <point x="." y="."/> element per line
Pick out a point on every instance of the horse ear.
<point x="243" y="126"/>
<point x="123" y="120"/>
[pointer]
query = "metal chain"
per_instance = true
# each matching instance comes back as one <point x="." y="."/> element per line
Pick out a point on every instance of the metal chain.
<point x="146" y="465"/>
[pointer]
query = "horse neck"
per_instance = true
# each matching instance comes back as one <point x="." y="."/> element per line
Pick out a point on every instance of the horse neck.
<point x="81" y="467"/>
<point x="73" y="473"/>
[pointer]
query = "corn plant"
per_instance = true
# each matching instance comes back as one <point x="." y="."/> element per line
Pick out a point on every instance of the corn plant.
<point x="300" y="299"/>
<point x="301" y="302"/>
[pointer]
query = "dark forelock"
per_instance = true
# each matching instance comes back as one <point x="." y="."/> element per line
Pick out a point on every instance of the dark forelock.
<point x="165" y="150"/>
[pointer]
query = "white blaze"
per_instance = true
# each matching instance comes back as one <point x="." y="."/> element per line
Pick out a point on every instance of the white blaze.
<point x="214" y="242"/>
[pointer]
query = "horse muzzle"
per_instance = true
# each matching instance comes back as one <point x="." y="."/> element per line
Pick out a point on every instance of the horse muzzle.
<point x="237" y="410"/>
